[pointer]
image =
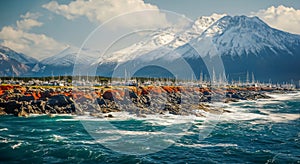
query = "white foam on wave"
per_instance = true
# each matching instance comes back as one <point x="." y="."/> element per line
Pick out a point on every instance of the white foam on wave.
<point x="4" y="129"/>
<point x="239" y="111"/>
<point x="50" y="115"/>
<point x="268" y="101"/>
<point x="108" y="139"/>
<point x="13" y="136"/>
<point x="238" y="115"/>
<point x="61" y="115"/>
<point x="206" y="145"/>
<point x="67" y="119"/>
<point x="57" y="137"/>
<point x="16" y="145"/>
<point x="169" y="141"/>
<point x="169" y="119"/>
<point x="36" y="115"/>
<point x="283" y="117"/>
<point x="143" y="133"/>
<point x="285" y="96"/>
<point x="265" y="115"/>
<point x="4" y="140"/>
<point x="129" y="132"/>
<point x="154" y="119"/>
<point x="277" y="98"/>
<point x="41" y="130"/>
<point x="96" y="141"/>
<point x="117" y="116"/>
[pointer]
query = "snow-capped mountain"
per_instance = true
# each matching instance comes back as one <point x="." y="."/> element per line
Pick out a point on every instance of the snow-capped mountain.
<point x="11" y="67"/>
<point x="69" y="56"/>
<point x="241" y="35"/>
<point x="245" y="44"/>
<point x="63" y="62"/>
<point x="150" y="42"/>
<point x="196" y="28"/>
<point x="162" y="40"/>
<point x="17" y="56"/>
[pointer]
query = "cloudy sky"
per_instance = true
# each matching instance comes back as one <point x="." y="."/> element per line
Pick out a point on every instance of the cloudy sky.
<point x="42" y="28"/>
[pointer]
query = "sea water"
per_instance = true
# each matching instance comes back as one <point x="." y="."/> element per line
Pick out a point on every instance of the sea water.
<point x="263" y="131"/>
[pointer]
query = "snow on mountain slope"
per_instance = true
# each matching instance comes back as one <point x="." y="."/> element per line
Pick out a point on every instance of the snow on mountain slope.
<point x="3" y="56"/>
<point x="69" y="56"/>
<point x="241" y="35"/>
<point x="162" y="41"/>
<point x="149" y="43"/>
<point x="245" y="44"/>
<point x="196" y="29"/>
<point x="17" y="56"/>
<point x="11" y="67"/>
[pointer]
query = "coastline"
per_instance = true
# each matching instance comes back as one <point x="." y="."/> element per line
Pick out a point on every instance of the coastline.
<point x="141" y="101"/>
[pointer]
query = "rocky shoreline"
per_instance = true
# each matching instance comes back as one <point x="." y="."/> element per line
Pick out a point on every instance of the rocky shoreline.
<point x="22" y="101"/>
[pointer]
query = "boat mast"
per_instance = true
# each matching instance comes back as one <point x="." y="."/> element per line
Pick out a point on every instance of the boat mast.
<point x="253" y="80"/>
<point x="247" y="78"/>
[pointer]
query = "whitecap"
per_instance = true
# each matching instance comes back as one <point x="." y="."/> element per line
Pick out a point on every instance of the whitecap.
<point x="169" y="141"/>
<point x="282" y="117"/>
<point x="117" y="116"/>
<point x="107" y="139"/>
<point x="36" y="115"/>
<point x="4" y="140"/>
<point x="265" y="115"/>
<point x="128" y="132"/>
<point x="3" y="129"/>
<point x="11" y="135"/>
<point x="285" y="96"/>
<point x="154" y="119"/>
<point x="16" y="145"/>
<point x="268" y="101"/>
<point x="207" y="145"/>
<point x="57" y="137"/>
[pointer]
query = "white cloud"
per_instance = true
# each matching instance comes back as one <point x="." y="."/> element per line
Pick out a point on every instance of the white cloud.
<point x="21" y="40"/>
<point x="281" y="17"/>
<point x="101" y="11"/>
<point x="35" y="45"/>
<point x="30" y="15"/>
<point x="27" y="24"/>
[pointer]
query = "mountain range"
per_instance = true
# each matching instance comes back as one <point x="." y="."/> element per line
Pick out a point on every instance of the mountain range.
<point x="245" y="44"/>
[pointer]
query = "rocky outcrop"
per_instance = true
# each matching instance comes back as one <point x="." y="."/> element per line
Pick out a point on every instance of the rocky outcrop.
<point x="23" y="101"/>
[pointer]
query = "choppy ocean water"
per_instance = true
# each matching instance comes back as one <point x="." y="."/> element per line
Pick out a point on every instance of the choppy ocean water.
<point x="263" y="131"/>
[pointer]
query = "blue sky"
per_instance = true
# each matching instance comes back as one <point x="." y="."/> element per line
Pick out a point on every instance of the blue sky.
<point x="48" y="27"/>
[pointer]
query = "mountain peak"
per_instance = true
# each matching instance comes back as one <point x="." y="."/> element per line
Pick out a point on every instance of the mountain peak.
<point x="17" y="56"/>
<point x="238" y="22"/>
<point x="243" y="20"/>
<point x="70" y="56"/>
<point x="239" y="35"/>
<point x="203" y="22"/>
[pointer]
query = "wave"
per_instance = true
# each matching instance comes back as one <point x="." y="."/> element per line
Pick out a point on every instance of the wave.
<point x="57" y="138"/>
<point x="240" y="114"/>
<point x="262" y="111"/>
<point x="16" y="145"/>
<point x="206" y="145"/>
<point x="3" y="129"/>
<point x="129" y="132"/>
<point x="4" y="140"/>
<point x="285" y="96"/>
<point x="154" y="119"/>
<point x="41" y="130"/>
